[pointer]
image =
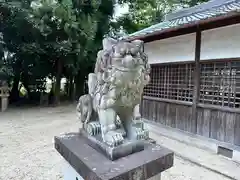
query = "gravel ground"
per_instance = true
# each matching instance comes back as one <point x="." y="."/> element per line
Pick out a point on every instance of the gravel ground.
<point x="27" y="152"/>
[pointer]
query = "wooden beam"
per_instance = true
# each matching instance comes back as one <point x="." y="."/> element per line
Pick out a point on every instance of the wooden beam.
<point x="185" y="103"/>
<point x="219" y="108"/>
<point x="196" y="80"/>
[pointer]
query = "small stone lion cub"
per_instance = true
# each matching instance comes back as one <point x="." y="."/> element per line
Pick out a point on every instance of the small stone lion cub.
<point x="84" y="108"/>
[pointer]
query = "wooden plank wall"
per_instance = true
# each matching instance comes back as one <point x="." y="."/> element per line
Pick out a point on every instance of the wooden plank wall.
<point x="219" y="125"/>
<point x="173" y="115"/>
<point x="210" y="119"/>
<point x="211" y="123"/>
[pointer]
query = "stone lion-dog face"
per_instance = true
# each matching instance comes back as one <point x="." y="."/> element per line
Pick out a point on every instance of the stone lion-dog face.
<point x="127" y="55"/>
<point x="130" y="71"/>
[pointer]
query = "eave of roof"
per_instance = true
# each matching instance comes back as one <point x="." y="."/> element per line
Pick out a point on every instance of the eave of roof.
<point x="201" y="14"/>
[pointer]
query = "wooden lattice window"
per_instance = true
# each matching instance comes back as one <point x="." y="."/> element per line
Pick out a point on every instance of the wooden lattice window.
<point x="173" y="81"/>
<point x="220" y="84"/>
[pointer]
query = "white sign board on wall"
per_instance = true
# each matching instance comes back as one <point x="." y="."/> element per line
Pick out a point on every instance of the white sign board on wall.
<point x="221" y="43"/>
<point x="175" y="49"/>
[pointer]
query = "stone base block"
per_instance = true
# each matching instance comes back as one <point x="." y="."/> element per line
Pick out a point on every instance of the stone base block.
<point x="128" y="147"/>
<point x="69" y="173"/>
<point x="236" y="156"/>
<point x="4" y="103"/>
<point x="91" y="164"/>
<point x="157" y="177"/>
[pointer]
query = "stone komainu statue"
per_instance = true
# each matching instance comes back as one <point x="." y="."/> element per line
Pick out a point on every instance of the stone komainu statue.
<point x="115" y="88"/>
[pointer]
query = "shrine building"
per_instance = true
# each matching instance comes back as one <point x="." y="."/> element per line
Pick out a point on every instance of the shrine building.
<point x="195" y="73"/>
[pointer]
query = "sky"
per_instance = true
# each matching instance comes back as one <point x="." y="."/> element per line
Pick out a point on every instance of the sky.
<point x="120" y="10"/>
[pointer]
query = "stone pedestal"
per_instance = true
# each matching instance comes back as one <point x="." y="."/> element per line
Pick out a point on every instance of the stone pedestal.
<point x="71" y="174"/>
<point x="4" y="94"/>
<point x="4" y="103"/>
<point x="85" y="162"/>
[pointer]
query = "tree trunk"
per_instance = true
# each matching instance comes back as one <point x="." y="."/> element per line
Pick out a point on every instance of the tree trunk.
<point x="79" y="85"/>
<point x="51" y="94"/>
<point x="73" y="92"/>
<point x="58" y="82"/>
<point x="67" y="87"/>
<point x="71" y="88"/>
<point x="14" y="95"/>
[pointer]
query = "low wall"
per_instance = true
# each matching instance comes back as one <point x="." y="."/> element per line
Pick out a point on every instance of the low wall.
<point x="218" y="124"/>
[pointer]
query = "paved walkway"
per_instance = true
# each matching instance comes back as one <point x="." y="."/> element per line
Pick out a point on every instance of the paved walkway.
<point x="27" y="153"/>
<point x="204" y="158"/>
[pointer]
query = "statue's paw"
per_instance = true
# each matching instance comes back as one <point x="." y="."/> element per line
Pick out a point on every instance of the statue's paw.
<point x="138" y="124"/>
<point x="146" y="134"/>
<point x="137" y="117"/>
<point x="93" y="128"/>
<point x="113" y="138"/>
<point x="118" y="122"/>
<point x="141" y="134"/>
<point x="122" y="131"/>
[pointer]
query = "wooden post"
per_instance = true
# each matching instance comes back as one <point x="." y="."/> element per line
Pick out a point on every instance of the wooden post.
<point x="196" y="80"/>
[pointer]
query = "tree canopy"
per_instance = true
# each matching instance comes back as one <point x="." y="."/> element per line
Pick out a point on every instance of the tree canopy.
<point x="144" y="13"/>
<point x="60" y="38"/>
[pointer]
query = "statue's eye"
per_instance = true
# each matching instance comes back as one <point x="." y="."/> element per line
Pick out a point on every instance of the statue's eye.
<point x="134" y="51"/>
<point x="122" y="51"/>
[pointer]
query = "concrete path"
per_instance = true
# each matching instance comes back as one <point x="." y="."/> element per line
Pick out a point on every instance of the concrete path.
<point x="27" y="152"/>
<point x="206" y="159"/>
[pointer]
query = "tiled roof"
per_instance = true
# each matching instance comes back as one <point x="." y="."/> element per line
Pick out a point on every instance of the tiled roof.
<point x="187" y="16"/>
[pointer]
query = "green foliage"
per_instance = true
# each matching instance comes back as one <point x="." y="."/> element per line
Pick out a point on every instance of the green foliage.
<point x="49" y="38"/>
<point x="70" y="28"/>
<point x="144" y="13"/>
<point x="6" y="70"/>
<point x="20" y="40"/>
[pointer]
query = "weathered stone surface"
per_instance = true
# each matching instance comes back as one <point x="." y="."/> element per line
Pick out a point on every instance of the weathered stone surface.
<point x="4" y="94"/>
<point x="4" y="103"/>
<point x="93" y="165"/>
<point x="115" y="90"/>
<point x="71" y="174"/>
<point x="128" y="147"/>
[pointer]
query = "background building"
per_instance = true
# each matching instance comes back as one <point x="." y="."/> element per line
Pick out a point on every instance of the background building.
<point x="195" y="71"/>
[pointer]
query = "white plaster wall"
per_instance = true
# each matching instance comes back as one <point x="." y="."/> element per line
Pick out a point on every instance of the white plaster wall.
<point x="221" y="43"/>
<point x="175" y="49"/>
